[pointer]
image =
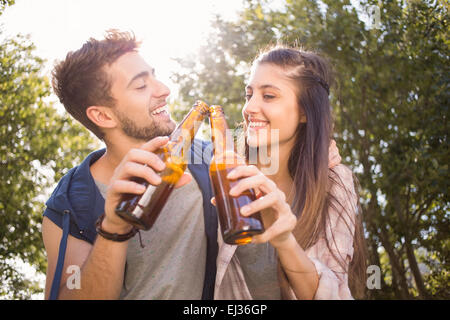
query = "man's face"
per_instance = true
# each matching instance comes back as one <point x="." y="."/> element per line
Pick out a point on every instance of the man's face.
<point x="140" y="108"/>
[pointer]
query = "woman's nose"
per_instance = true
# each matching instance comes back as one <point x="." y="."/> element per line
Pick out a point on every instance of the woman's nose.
<point x="251" y="106"/>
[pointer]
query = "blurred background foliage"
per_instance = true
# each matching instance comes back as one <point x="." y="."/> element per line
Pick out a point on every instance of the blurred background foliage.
<point x="390" y="104"/>
<point x="38" y="146"/>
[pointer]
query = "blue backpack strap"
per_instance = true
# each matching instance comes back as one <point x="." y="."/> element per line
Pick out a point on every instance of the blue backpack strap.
<point x="54" y="292"/>
<point x="200" y="172"/>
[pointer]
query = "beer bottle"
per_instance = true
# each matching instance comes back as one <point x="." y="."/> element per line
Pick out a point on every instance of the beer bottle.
<point x="142" y="210"/>
<point x="236" y="229"/>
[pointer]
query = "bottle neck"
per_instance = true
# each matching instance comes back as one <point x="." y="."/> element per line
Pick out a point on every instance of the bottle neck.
<point x="183" y="135"/>
<point x="190" y="124"/>
<point x="221" y="135"/>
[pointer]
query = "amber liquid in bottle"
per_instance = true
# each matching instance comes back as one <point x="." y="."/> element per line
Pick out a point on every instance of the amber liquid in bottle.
<point x="236" y="229"/>
<point x="142" y="210"/>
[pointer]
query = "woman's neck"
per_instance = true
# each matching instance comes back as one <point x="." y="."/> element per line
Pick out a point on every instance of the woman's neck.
<point x="279" y="155"/>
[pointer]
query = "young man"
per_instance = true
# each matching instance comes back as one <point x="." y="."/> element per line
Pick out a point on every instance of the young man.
<point x="112" y="91"/>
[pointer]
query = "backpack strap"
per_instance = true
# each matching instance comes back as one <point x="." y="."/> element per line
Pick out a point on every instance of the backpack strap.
<point x="56" y="283"/>
<point x="200" y="172"/>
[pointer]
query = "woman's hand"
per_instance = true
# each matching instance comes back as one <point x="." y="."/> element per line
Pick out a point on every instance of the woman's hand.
<point x="278" y="219"/>
<point x="279" y="222"/>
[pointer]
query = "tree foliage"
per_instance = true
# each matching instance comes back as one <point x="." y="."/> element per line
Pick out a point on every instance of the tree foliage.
<point x="38" y="145"/>
<point x="391" y="115"/>
<point x="4" y="4"/>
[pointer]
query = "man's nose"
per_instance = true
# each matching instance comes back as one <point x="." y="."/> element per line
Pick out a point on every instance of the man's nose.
<point x="161" y="89"/>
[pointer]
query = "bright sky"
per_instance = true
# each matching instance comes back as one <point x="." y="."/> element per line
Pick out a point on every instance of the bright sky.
<point x="168" y="28"/>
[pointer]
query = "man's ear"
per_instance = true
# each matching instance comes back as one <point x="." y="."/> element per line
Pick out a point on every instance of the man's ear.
<point x="102" y="116"/>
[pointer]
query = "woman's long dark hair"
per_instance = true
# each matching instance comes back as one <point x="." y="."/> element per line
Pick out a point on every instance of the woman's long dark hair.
<point x="308" y="162"/>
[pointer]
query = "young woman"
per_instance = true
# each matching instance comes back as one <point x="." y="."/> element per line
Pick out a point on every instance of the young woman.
<point x="312" y="247"/>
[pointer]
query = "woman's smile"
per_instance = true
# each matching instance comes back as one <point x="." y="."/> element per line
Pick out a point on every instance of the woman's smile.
<point x="257" y="124"/>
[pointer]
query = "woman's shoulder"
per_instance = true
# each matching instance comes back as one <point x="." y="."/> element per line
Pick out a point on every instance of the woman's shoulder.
<point x="342" y="190"/>
<point x="342" y="175"/>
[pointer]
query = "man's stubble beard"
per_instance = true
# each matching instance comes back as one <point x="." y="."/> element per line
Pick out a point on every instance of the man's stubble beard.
<point x="146" y="133"/>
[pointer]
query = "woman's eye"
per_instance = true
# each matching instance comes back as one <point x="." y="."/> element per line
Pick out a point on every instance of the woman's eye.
<point x="248" y="97"/>
<point x="268" y="96"/>
<point x="142" y="87"/>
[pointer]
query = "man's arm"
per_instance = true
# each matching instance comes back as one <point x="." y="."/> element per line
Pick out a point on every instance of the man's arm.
<point x="101" y="265"/>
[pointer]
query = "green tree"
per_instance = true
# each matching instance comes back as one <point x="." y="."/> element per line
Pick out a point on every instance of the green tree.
<point x="391" y="112"/>
<point x="4" y="4"/>
<point x="38" y="145"/>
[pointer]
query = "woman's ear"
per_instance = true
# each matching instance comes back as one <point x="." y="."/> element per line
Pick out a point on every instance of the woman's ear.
<point x="302" y="114"/>
<point x="101" y="116"/>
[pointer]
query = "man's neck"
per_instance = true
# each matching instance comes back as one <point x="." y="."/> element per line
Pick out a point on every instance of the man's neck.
<point x="116" y="148"/>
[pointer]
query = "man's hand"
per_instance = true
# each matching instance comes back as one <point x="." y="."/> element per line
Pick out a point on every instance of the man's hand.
<point x="142" y="163"/>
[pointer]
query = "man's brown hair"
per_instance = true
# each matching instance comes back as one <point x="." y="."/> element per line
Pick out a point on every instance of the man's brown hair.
<point x="80" y="81"/>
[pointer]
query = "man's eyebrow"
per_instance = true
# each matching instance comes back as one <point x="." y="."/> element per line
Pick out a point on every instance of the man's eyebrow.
<point x="142" y="74"/>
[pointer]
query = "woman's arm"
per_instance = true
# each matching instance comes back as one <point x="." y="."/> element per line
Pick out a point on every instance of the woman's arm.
<point x="299" y="269"/>
<point x="279" y="221"/>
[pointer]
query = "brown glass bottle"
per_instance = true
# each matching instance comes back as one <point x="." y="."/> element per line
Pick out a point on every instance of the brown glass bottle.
<point x="143" y="210"/>
<point x="236" y="229"/>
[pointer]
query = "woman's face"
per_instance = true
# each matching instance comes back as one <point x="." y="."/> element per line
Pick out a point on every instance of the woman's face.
<point x="271" y="105"/>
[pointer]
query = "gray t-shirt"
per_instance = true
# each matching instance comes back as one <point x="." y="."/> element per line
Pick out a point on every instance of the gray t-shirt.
<point x="102" y="188"/>
<point x="259" y="266"/>
<point x="172" y="264"/>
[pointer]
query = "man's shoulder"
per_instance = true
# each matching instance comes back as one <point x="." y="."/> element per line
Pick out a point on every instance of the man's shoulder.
<point x="77" y="176"/>
<point x="77" y="194"/>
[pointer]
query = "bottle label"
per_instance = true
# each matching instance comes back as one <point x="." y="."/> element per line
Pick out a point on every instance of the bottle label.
<point x="143" y="202"/>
